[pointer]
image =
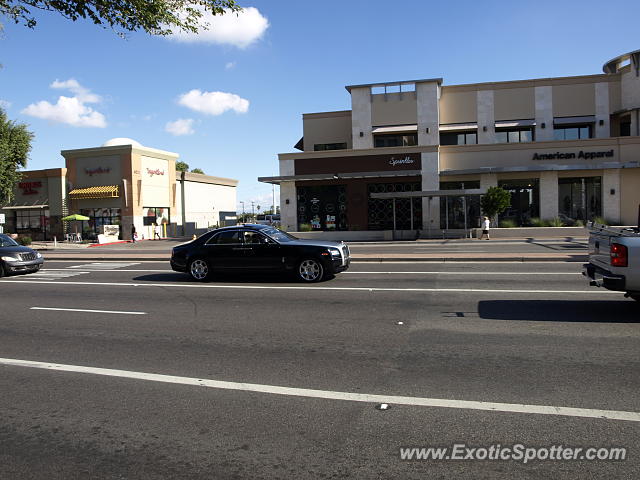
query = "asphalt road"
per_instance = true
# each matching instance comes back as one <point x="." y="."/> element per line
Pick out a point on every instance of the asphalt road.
<point x="299" y="361"/>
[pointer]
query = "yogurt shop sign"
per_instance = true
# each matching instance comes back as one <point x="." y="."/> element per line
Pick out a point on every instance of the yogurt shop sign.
<point x="573" y="155"/>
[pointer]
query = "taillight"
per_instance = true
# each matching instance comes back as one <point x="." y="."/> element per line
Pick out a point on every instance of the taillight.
<point x="619" y="255"/>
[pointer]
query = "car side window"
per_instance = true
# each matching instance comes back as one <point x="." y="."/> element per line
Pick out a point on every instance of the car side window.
<point x="253" y="238"/>
<point x="228" y="237"/>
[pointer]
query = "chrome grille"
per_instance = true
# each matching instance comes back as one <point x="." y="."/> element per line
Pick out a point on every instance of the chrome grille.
<point x="345" y="254"/>
<point x="27" y="256"/>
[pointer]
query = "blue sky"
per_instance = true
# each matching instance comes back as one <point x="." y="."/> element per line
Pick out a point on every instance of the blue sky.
<point x="285" y="58"/>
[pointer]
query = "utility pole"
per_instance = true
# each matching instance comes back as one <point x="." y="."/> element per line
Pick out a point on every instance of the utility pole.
<point x="273" y="191"/>
<point x="253" y="215"/>
<point x="243" y="219"/>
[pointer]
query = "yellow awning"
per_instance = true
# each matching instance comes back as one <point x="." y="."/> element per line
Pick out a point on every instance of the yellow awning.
<point x="109" y="191"/>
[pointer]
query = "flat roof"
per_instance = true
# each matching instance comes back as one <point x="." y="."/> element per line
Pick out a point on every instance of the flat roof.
<point x="396" y="83"/>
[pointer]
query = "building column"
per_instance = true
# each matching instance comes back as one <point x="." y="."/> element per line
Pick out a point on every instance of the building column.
<point x="289" y="206"/>
<point x="486" y="117"/>
<point x="361" y="118"/>
<point x="544" y="113"/>
<point x="611" y="195"/>
<point x="430" y="181"/>
<point x="602" y="111"/>
<point x="548" y="195"/>
<point x="428" y="112"/>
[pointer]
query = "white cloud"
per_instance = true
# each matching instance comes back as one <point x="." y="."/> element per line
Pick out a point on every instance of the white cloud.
<point x="241" y="29"/>
<point x="81" y="93"/>
<point x="5" y="104"/>
<point x="230" y="65"/>
<point x="69" y="110"/>
<point x="182" y="126"/>
<point x="213" y="103"/>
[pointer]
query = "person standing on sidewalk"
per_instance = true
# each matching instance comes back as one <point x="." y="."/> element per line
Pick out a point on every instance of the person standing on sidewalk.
<point x="133" y="233"/>
<point x="485" y="227"/>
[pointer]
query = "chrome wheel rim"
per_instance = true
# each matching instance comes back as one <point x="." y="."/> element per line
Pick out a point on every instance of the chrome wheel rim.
<point x="199" y="269"/>
<point x="310" y="270"/>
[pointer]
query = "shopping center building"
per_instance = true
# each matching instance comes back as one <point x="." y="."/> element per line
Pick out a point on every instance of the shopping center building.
<point x="119" y="183"/>
<point x="417" y="154"/>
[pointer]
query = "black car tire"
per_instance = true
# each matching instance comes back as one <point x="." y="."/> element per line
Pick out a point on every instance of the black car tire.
<point x="2" y="270"/>
<point x="199" y="269"/>
<point x="310" y="270"/>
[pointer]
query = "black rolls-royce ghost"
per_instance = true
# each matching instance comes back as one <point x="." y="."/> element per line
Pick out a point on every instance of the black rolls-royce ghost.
<point x="259" y="248"/>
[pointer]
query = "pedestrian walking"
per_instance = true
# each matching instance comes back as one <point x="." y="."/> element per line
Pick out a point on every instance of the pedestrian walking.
<point x="134" y="235"/>
<point x="156" y="232"/>
<point x="485" y="227"/>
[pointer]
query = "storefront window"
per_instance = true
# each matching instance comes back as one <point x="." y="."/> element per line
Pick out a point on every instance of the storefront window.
<point x="579" y="198"/>
<point x="381" y="210"/>
<point x="405" y="140"/>
<point x="452" y="209"/>
<point x="572" y="133"/>
<point x="33" y="221"/>
<point x="458" y="138"/>
<point x="97" y="218"/>
<point x="156" y="215"/>
<point x="525" y="200"/>
<point x="322" y="207"/>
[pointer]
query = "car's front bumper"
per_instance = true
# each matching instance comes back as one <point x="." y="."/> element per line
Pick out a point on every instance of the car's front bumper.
<point x="24" y="266"/>
<point x="603" y="278"/>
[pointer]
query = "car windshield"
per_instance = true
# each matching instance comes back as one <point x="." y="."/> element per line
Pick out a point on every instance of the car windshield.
<point x="6" y="241"/>
<point x="278" y="235"/>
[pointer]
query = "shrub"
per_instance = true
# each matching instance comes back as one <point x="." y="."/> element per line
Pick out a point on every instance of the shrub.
<point x="537" y="222"/>
<point x="554" y="222"/>
<point x="507" y="224"/>
<point x="600" y="220"/>
<point x="26" y="240"/>
<point x="305" y="227"/>
<point x="578" y="223"/>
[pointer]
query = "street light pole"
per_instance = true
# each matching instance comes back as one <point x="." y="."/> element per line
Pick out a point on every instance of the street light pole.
<point x="253" y="216"/>
<point x="243" y="219"/>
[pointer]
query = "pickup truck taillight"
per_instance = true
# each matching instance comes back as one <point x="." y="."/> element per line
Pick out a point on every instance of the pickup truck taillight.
<point x="619" y="255"/>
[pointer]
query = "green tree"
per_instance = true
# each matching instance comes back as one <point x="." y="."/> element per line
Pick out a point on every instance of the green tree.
<point x="182" y="167"/>
<point x="197" y="170"/>
<point x="495" y="201"/>
<point x="15" y="145"/>
<point x="156" y="17"/>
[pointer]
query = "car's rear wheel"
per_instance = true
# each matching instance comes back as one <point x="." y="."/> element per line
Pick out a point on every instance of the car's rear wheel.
<point x="199" y="269"/>
<point x="2" y="270"/>
<point x="310" y="270"/>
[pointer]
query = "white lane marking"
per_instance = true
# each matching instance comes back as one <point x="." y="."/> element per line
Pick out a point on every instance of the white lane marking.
<point x="104" y="270"/>
<point x="346" y="289"/>
<point x="335" y="395"/>
<point x="51" y="276"/>
<point x="468" y="273"/>
<point x="87" y="311"/>
<point x="103" y="265"/>
<point x="359" y="273"/>
<point x="462" y="262"/>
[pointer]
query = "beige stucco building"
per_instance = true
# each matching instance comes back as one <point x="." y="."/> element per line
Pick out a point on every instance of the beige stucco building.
<point x="119" y="183"/>
<point x="417" y="154"/>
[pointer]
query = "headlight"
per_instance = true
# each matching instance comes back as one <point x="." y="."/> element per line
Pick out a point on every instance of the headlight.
<point x="10" y="259"/>
<point x="335" y="252"/>
<point x="38" y="255"/>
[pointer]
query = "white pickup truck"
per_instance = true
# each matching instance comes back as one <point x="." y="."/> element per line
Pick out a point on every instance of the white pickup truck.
<point x="614" y="259"/>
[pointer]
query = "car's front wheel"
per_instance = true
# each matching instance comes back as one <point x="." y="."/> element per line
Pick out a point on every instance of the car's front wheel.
<point x="3" y="272"/>
<point x="310" y="270"/>
<point x="199" y="269"/>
